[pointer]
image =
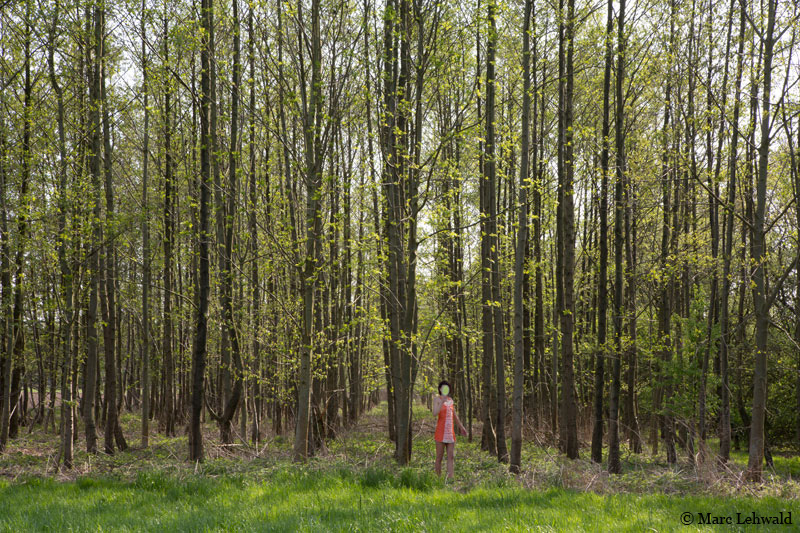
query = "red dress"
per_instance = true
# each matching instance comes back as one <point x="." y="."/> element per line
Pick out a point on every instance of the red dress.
<point x="444" y="425"/>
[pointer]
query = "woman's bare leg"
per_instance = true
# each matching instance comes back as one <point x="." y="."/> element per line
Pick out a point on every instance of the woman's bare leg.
<point x="451" y="458"/>
<point x="439" y="455"/>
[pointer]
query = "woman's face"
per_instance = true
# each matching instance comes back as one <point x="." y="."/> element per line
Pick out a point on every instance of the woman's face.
<point x="445" y="390"/>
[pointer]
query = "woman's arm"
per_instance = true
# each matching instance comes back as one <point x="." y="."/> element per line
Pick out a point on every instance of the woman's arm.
<point x="437" y="404"/>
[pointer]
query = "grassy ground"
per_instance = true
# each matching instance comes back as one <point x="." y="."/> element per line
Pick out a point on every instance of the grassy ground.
<point x="354" y="485"/>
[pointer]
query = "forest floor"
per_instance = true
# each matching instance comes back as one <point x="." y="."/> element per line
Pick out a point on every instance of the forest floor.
<point x="355" y="485"/>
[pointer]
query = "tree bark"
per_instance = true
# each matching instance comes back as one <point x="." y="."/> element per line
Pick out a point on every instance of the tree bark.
<point x="602" y="295"/>
<point x="113" y="431"/>
<point x="758" y="256"/>
<point x="90" y="386"/>
<point x="614" y="464"/>
<point x="168" y="408"/>
<point x="231" y="400"/>
<point x="728" y="223"/>
<point x="255" y="287"/>
<point x="145" y="372"/>
<point x="312" y="109"/>
<point x="569" y="421"/>
<point x="65" y="324"/>
<point x="522" y="245"/>
<point x="201" y="316"/>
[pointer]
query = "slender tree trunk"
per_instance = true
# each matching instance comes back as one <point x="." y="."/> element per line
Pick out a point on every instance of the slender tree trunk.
<point x="113" y="431"/>
<point x="491" y="183"/>
<point x="758" y="256"/>
<point x="145" y="376"/>
<point x="168" y="409"/>
<point x="630" y="351"/>
<point x="11" y="321"/>
<point x="201" y="317"/>
<point x="728" y="223"/>
<point x="714" y="307"/>
<point x="65" y="325"/>
<point x="488" y="436"/>
<point x="233" y="399"/>
<point x="488" y="218"/>
<point x="255" y="288"/>
<point x="614" y="464"/>
<point x="602" y="295"/>
<point x="797" y="293"/>
<point x="539" y="312"/>
<point x="312" y="109"/>
<point x="90" y="387"/>
<point x="664" y="313"/>
<point x="400" y="189"/>
<point x="5" y="280"/>
<point x="289" y="184"/>
<point x="569" y="415"/>
<point x="531" y="384"/>
<point x="522" y="245"/>
<point x="377" y="214"/>
<point x="559" y="309"/>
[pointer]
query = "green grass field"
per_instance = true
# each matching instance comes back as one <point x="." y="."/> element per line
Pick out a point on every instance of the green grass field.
<point x="298" y="499"/>
<point x="355" y="486"/>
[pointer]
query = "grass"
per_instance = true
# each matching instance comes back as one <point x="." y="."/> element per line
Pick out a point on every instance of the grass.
<point x="355" y="485"/>
<point x="299" y="499"/>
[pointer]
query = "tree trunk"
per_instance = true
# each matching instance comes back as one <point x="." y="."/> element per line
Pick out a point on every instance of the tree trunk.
<point x="728" y="223"/>
<point x="538" y="312"/>
<point x="569" y="422"/>
<point x="206" y="146"/>
<point x="630" y="351"/>
<point x="255" y="288"/>
<point x="8" y="318"/>
<point x="231" y="401"/>
<point x="145" y="377"/>
<point x="664" y="312"/>
<point x="65" y="324"/>
<point x="602" y="295"/>
<point x="758" y="255"/>
<point x="489" y="428"/>
<point x="797" y="290"/>
<point x="490" y="182"/>
<point x="113" y="432"/>
<point x="614" y="464"/>
<point x="312" y="108"/>
<point x="90" y="387"/>
<point x="168" y="409"/>
<point x="522" y="245"/>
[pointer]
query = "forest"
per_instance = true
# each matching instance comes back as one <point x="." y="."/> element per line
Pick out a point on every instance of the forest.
<point x="270" y="217"/>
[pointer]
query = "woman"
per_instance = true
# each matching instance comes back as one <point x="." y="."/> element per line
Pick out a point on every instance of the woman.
<point x="445" y="436"/>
